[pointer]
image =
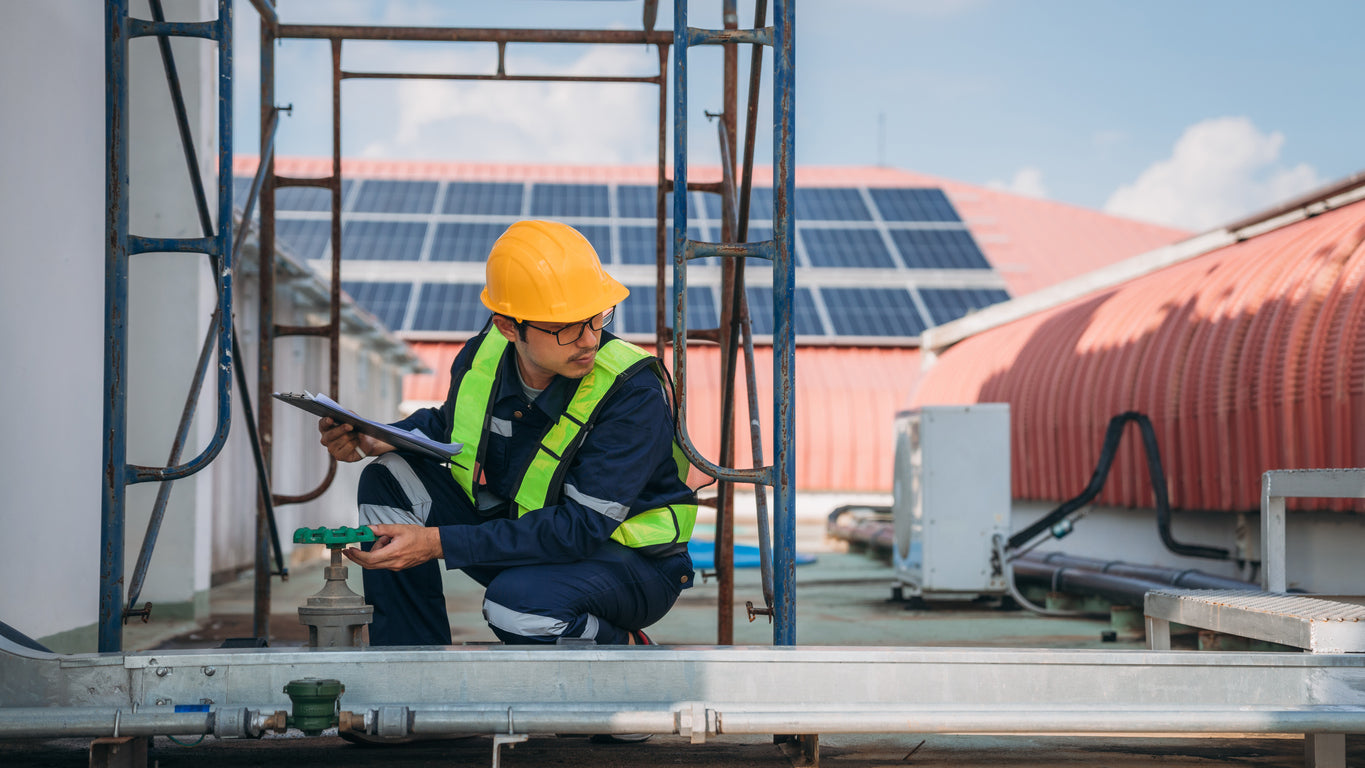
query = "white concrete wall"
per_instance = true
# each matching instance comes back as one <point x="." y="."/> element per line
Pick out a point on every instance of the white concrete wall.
<point x="51" y="311"/>
<point x="52" y="340"/>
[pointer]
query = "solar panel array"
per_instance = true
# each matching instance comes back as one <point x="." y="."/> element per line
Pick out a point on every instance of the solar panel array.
<point x="872" y="263"/>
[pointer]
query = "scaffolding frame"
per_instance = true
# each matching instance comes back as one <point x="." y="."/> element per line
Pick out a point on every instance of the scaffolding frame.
<point x="778" y="566"/>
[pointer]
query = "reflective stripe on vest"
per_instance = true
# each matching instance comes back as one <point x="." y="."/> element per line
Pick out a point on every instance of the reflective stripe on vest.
<point x="543" y="479"/>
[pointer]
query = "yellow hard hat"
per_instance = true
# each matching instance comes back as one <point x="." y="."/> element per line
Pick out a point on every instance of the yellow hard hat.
<point x="547" y="271"/>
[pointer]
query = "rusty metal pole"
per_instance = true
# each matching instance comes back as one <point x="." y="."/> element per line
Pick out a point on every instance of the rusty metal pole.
<point x="660" y="263"/>
<point x="725" y="491"/>
<point x="265" y="336"/>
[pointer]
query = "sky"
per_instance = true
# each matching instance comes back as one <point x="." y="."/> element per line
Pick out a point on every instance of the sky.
<point x="1189" y="113"/>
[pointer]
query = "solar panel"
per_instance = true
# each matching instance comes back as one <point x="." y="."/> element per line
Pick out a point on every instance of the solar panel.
<point x="945" y="304"/>
<point x="638" y="244"/>
<point x="636" y="313"/>
<point x="484" y="198"/>
<point x="385" y="196"/>
<point x="804" y="314"/>
<point x="305" y="198"/>
<point x="938" y="249"/>
<point x="846" y="248"/>
<point x="305" y="239"/>
<point x="830" y="204"/>
<point x="556" y="200"/>
<point x="464" y="241"/>
<point x="241" y="186"/>
<point x="637" y="201"/>
<point x="450" y="307"/>
<point x="872" y="311"/>
<point x="600" y="237"/>
<point x="760" y="205"/>
<point x="842" y="233"/>
<point x="290" y="198"/>
<point x="387" y="301"/>
<point x="913" y="205"/>
<point x="383" y="240"/>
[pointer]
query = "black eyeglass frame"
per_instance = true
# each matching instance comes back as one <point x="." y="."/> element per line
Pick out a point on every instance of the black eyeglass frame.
<point x="605" y="317"/>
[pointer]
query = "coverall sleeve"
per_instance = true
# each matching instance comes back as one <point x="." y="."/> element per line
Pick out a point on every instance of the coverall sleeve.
<point x="630" y="445"/>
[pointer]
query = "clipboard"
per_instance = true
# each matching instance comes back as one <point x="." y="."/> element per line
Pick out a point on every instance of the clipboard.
<point x="410" y="440"/>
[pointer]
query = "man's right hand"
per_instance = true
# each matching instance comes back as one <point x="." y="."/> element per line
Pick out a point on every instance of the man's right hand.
<point x="345" y="444"/>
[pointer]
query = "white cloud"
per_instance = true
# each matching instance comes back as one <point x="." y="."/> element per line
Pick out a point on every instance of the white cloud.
<point x="1220" y="169"/>
<point x="1027" y="181"/>
<point x="514" y="122"/>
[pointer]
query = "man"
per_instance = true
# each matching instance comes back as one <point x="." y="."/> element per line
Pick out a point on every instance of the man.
<point x="568" y="502"/>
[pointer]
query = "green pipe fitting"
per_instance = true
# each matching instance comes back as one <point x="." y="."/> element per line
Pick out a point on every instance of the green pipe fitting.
<point x="317" y="704"/>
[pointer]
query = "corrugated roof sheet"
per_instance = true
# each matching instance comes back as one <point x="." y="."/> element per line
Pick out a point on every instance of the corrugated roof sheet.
<point x="846" y="402"/>
<point x="1249" y="358"/>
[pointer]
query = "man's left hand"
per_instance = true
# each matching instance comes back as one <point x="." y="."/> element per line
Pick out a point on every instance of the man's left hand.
<point x="397" y="547"/>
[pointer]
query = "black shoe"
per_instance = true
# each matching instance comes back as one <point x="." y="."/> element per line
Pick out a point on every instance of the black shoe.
<point x="639" y="636"/>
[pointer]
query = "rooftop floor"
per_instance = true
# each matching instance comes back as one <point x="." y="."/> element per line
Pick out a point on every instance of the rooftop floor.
<point x="842" y="599"/>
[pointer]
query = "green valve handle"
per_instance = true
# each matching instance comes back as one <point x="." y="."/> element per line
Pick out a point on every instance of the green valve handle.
<point x="334" y="538"/>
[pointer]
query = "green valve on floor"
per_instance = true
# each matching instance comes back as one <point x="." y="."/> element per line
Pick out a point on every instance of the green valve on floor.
<point x="334" y="538"/>
<point x="316" y="704"/>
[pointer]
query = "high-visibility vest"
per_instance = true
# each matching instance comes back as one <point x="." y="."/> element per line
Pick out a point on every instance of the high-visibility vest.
<point x="541" y="482"/>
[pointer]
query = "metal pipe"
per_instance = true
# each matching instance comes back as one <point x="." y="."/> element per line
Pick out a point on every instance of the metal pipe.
<point x="608" y="718"/>
<point x="266" y="10"/>
<point x="784" y="327"/>
<point x="51" y="722"/>
<point x="765" y="537"/>
<point x="265" y="333"/>
<point x="115" y="470"/>
<point x="473" y="34"/>
<point x="733" y="718"/>
<point x="727" y="336"/>
<point x="507" y="78"/>
<point x="1025" y="719"/>
<point x="661" y="215"/>
<point x="765" y="547"/>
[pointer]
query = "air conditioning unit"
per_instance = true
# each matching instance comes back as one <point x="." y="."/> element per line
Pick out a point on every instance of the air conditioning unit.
<point x="951" y="497"/>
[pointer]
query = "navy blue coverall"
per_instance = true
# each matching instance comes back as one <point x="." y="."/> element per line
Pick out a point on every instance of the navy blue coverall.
<point x="554" y="572"/>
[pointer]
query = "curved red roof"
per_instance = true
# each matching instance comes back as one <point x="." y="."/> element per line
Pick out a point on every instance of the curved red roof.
<point x="1248" y="358"/>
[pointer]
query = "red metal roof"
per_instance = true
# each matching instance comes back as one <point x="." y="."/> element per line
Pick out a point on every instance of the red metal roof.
<point x="1248" y="358"/>
<point x="846" y="402"/>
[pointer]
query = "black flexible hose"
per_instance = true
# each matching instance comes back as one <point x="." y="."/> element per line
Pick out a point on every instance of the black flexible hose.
<point x="1185" y="578"/>
<point x="1120" y="590"/>
<point x="1112" y="435"/>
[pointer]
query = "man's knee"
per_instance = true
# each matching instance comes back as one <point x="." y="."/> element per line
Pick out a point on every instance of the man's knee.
<point x="390" y="492"/>
<point x="518" y="612"/>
